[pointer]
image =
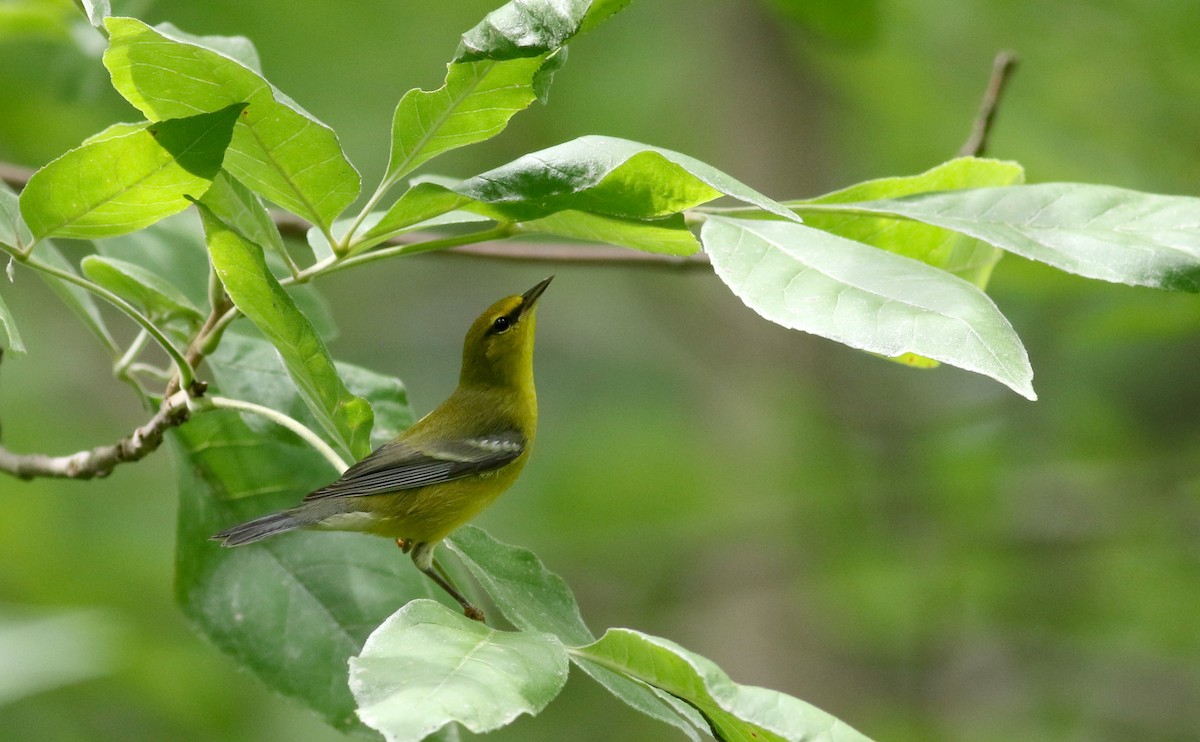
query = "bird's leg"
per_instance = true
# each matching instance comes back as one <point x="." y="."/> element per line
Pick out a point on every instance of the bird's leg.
<point x="405" y="544"/>
<point x="422" y="556"/>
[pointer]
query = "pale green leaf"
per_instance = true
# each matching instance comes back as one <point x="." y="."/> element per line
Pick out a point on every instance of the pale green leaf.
<point x="10" y="337"/>
<point x="736" y="713"/>
<point x="1112" y="234"/>
<point x="12" y="229"/>
<point x="278" y="150"/>
<point x="238" y="48"/>
<point x="243" y="270"/>
<point x="533" y="598"/>
<point x="80" y="300"/>
<point x="159" y="297"/>
<point x="238" y="207"/>
<point x="426" y="667"/>
<point x="866" y="298"/>
<point x="128" y="182"/>
<point x="668" y="235"/>
<point x="953" y="252"/>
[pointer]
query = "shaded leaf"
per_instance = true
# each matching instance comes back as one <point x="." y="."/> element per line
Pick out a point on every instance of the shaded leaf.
<point x="124" y="183"/>
<point x="278" y="150"/>
<point x="12" y="229"/>
<point x="427" y="667"/>
<point x="10" y="337"/>
<point x="292" y="609"/>
<point x="243" y="270"/>
<point x="870" y="299"/>
<point x="80" y="300"/>
<point x="238" y="207"/>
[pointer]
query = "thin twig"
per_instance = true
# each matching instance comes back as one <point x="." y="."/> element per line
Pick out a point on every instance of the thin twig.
<point x="1002" y="69"/>
<point x="100" y="461"/>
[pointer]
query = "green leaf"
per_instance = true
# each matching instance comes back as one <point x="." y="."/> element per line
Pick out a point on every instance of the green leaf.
<point x="1112" y="234"/>
<point x="97" y="11"/>
<point x="600" y="175"/>
<point x="278" y="150"/>
<point x="427" y="667"/>
<point x="11" y="226"/>
<point x="530" y="28"/>
<point x="173" y="249"/>
<point x="80" y="300"/>
<point x="292" y="609"/>
<point x="128" y="182"/>
<point x="735" y="712"/>
<point x="870" y="299"/>
<point x="533" y="598"/>
<point x="238" y="48"/>
<point x="10" y="337"/>
<point x="238" y="207"/>
<point x="246" y="367"/>
<point x="967" y="258"/>
<point x="119" y="129"/>
<point x="475" y="104"/>
<point x="668" y="235"/>
<point x="529" y="595"/>
<point x="243" y="270"/>
<point x="146" y="289"/>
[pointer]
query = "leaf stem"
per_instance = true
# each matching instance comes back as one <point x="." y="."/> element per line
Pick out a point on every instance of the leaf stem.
<point x="187" y="374"/>
<point x="285" y="421"/>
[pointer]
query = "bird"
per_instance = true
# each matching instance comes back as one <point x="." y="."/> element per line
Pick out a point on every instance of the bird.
<point x="448" y="466"/>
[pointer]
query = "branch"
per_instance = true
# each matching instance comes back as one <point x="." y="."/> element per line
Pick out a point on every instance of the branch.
<point x="1002" y="69"/>
<point x="100" y="461"/>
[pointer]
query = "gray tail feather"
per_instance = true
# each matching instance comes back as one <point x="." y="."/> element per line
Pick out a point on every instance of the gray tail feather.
<point x="260" y="528"/>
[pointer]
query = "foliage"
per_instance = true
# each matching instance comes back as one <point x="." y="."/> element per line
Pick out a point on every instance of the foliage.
<point x="895" y="266"/>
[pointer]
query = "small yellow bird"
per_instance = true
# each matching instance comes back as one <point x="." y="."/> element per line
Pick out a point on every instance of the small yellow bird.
<point x="448" y="466"/>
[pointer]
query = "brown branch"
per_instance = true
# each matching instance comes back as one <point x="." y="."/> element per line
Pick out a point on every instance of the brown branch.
<point x="1002" y="69"/>
<point x="100" y="461"/>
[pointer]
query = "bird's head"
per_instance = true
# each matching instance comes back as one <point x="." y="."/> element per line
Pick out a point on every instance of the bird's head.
<point x="499" y="346"/>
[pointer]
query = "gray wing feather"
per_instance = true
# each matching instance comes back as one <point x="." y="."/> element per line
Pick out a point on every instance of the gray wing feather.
<point x="402" y="465"/>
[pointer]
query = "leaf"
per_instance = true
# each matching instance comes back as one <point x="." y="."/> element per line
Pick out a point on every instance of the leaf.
<point x="172" y="249"/>
<point x="97" y="11"/>
<point x="248" y="367"/>
<point x="530" y="596"/>
<point x="869" y="299"/>
<point x="735" y="712"/>
<point x="254" y="290"/>
<point x="533" y="598"/>
<point x="238" y="207"/>
<point x="10" y="337"/>
<point x="128" y="182"/>
<point x="238" y="48"/>
<point x="278" y="150"/>
<point x="955" y="253"/>
<point x="11" y="227"/>
<point x="530" y="28"/>
<point x="668" y="235"/>
<point x="159" y="297"/>
<point x="475" y="104"/>
<point x="600" y="175"/>
<point x="292" y="609"/>
<point x="80" y="300"/>
<point x="1102" y="232"/>
<point x="427" y="667"/>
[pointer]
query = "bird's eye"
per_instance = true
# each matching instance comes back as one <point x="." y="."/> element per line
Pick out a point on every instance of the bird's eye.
<point x="501" y="324"/>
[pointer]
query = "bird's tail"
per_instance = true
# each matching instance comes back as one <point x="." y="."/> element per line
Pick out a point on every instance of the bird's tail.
<point x="264" y="527"/>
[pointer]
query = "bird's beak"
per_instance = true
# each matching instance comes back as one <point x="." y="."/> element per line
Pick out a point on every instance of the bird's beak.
<point x="530" y="297"/>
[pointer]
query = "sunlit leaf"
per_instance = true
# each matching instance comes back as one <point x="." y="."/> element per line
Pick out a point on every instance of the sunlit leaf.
<point x="1112" y="234"/>
<point x="124" y="183"/>
<point x="734" y="712"/>
<point x="243" y="270"/>
<point x="157" y="296"/>
<point x="866" y="298"/>
<point x="668" y="235"/>
<point x="530" y="28"/>
<point x="278" y="150"/>
<point x="427" y="667"/>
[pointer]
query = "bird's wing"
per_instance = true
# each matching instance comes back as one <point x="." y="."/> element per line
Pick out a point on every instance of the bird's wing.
<point x="402" y="465"/>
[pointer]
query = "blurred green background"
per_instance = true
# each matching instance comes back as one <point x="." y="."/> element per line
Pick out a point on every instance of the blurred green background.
<point x="923" y="554"/>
